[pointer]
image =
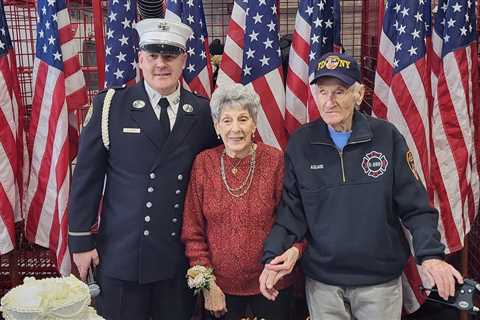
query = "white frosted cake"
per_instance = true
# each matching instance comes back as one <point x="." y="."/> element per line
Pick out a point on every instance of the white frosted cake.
<point x="49" y="299"/>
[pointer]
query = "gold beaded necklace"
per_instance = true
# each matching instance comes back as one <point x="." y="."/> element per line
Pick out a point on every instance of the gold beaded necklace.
<point x="245" y="185"/>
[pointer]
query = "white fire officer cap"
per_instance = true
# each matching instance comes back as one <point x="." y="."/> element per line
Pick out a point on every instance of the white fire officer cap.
<point x="163" y="36"/>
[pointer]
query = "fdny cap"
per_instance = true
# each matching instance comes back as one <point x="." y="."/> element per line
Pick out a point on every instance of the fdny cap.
<point x="337" y="65"/>
<point x="163" y="36"/>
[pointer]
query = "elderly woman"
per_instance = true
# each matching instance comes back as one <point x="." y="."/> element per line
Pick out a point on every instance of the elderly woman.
<point x="230" y="208"/>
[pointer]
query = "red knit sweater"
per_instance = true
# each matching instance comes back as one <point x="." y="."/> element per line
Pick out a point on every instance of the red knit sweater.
<point x="225" y="232"/>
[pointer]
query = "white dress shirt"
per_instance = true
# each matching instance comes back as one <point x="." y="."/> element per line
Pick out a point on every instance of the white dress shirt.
<point x="173" y="99"/>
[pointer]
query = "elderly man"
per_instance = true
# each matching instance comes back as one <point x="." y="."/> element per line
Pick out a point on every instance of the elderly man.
<point x="350" y="184"/>
<point x="141" y="141"/>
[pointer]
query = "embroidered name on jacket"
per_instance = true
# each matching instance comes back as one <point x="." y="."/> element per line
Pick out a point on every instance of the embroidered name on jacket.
<point x="374" y="164"/>
<point x="316" y="166"/>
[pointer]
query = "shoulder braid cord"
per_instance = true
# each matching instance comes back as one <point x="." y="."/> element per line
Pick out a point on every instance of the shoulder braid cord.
<point x="105" y="112"/>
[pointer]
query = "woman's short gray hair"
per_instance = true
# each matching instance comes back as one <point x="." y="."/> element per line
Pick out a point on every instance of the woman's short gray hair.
<point x="234" y="94"/>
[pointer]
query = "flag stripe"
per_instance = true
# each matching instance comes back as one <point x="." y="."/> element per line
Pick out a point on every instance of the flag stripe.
<point x="6" y="221"/>
<point x="230" y="69"/>
<point x="273" y="116"/>
<point x="450" y="234"/>
<point x="300" y="48"/>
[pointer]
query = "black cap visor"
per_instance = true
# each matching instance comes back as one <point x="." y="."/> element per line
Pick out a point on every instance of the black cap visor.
<point x="346" y="80"/>
<point x="162" y="48"/>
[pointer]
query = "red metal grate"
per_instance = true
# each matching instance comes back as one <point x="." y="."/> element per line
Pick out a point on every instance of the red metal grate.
<point x="369" y="47"/>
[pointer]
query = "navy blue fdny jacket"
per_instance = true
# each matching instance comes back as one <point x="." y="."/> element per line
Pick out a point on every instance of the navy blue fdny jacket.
<point x="350" y="205"/>
<point x="146" y="181"/>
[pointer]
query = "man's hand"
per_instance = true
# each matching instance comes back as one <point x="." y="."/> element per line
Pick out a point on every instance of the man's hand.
<point x="283" y="264"/>
<point x="215" y="300"/>
<point x="267" y="282"/>
<point x="83" y="261"/>
<point x="442" y="275"/>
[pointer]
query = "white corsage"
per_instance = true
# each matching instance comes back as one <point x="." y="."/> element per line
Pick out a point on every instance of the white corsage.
<point x="199" y="277"/>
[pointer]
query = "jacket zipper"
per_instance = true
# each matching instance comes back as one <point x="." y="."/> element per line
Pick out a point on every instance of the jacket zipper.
<point x="341" y="156"/>
<point x="340" y="153"/>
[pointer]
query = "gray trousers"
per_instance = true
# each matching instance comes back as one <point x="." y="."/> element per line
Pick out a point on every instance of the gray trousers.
<point x="378" y="302"/>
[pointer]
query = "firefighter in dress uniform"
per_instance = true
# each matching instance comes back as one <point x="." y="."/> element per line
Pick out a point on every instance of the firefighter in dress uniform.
<point x="140" y="142"/>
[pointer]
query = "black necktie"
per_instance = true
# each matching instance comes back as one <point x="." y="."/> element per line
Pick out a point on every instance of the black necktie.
<point x="164" y="121"/>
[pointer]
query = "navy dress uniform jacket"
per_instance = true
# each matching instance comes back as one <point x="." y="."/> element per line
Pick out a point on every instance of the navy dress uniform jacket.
<point x="139" y="234"/>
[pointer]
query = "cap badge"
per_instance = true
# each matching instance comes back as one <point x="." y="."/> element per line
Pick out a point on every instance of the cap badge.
<point x="333" y="62"/>
<point x="163" y="27"/>
<point x="187" y="108"/>
<point x="138" y="104"/>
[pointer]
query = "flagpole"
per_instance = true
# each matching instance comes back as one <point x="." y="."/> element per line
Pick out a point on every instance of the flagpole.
<point x="381" y="12"/>
<point x="99" y="42"/>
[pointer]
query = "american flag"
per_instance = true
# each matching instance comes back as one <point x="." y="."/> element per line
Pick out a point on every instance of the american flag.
<point x="402" y="95"/>
<point x="455" y="118"/>
<point x="252" y="57"/>
<point x="317" y="31"/>
<point x="58" y="91"/>
<point x="13" y="152"/>
<point x="197" y="75"/>
<point x="407" y="70"/>
<point x="122" y="43"/>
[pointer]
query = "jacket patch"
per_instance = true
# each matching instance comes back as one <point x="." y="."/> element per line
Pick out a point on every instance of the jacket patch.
<point x="374" y="164"/>
<point x="411" y="164"/>
<point x="316" y="166"/>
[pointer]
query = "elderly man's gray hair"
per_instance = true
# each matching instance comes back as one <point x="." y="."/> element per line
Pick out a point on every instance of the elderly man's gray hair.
<point x="233" y="95"/>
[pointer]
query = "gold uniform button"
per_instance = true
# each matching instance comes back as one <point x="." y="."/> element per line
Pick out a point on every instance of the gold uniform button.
<point x="148" y="204"/>
<point x="180" y="177"/>
<point x="174" y="220"/>
<point x="176" y="206"/>
<point x="152" y="175"/>
<point x="178" y="191"/>
<point x="173" y="234"/>
<point x="147" y="218"/>
<point x="146" y="233"/>
<point x="150" y="189"/>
